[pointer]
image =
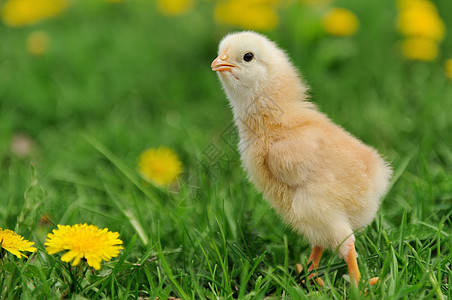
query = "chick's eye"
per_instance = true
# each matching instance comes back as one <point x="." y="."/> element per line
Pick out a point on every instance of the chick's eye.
<point x="248" y="57"/>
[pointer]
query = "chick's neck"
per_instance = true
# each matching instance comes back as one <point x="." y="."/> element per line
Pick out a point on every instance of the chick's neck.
<point x="269" y="110"/>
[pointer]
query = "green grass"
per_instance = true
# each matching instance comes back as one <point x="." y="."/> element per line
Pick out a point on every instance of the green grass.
<point x="119" y="78"/>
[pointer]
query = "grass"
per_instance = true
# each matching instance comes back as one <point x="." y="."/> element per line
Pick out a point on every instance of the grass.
<point x="119" y="78"/>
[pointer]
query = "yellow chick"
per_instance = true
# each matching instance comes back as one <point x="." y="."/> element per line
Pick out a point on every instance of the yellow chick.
<point x="323" y="182"/>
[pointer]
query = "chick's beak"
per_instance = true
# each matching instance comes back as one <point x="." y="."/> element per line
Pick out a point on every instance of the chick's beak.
<point x="220" y="64"/>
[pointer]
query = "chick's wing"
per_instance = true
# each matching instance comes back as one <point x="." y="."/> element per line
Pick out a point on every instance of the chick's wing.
<point x="294" y="159"/>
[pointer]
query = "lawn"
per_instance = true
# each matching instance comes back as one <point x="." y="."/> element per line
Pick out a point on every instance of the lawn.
<point x="115" y="79"/>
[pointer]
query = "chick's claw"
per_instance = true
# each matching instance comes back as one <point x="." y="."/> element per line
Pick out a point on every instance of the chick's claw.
<point x="312" y="277"/>
<point x="374" y="280"/>
<point x="299" y="268"/>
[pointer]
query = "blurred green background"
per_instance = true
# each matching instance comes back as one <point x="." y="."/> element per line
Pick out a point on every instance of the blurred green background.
<point x="111" y="79"/>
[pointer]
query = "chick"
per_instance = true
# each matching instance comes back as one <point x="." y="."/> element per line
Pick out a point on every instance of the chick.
<point x="323" y="182"/>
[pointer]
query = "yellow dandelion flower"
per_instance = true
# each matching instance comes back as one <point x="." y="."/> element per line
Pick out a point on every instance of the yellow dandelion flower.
<point x="340" y="22"/>
<point x="248" y="14"/>
<point x="419" y="49"/>
<point x="14" y="243"/>
<point x="419" y="18"/>
<point x="24" y="12"/>
<point x="84" y="241"/>
<point x="38" y="42"/>
<point x="448" y="67"/>
<point x="174" y="7"/>
<point x="160" y="166"/>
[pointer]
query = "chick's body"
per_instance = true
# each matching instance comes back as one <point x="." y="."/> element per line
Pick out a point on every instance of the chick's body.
<point x="323" y="182"/>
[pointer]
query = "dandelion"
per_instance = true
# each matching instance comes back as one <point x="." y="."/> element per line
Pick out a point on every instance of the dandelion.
<point x="174" y="7"/>
<point x="159" y="166"/>
<point x="419" y="22"/>
<point x="448" y="67"/>
<point x="419" y="18"/>
<point x="340" y="22"/>
<point x="248" y="14"/>
<point x="24" y="12"/>
<point x="419" y="49"/>
<point x="38" y="42"/>
<point x="84" y="242"/>
<point x="14" y="243"/>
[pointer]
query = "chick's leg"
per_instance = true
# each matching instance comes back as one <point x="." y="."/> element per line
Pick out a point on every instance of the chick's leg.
<point x="316" y="255"/>
<point x="314" y="259"/>
<point x="348" y="252"/>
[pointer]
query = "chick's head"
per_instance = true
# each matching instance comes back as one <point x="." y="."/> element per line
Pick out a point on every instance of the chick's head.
<point x="249" y="64"/>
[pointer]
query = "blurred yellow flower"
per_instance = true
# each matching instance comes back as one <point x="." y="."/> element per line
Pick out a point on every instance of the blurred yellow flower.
<point x="159" y="166"/>
<point x="248" y="14"/>
<point x="174" y="7"/>
<point x="340" y="22"/>
<point x="419" y="18"/>
<point x="419" y="49"/>
<point x="14" y="243"/>
<point x="406" y="4"/>
<point x="38" y="42"/>
<point x="24" y="12"/>
<point x="448" y="67"/>
<point x="316" y="2"/>
<point x="84" y="241"/>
